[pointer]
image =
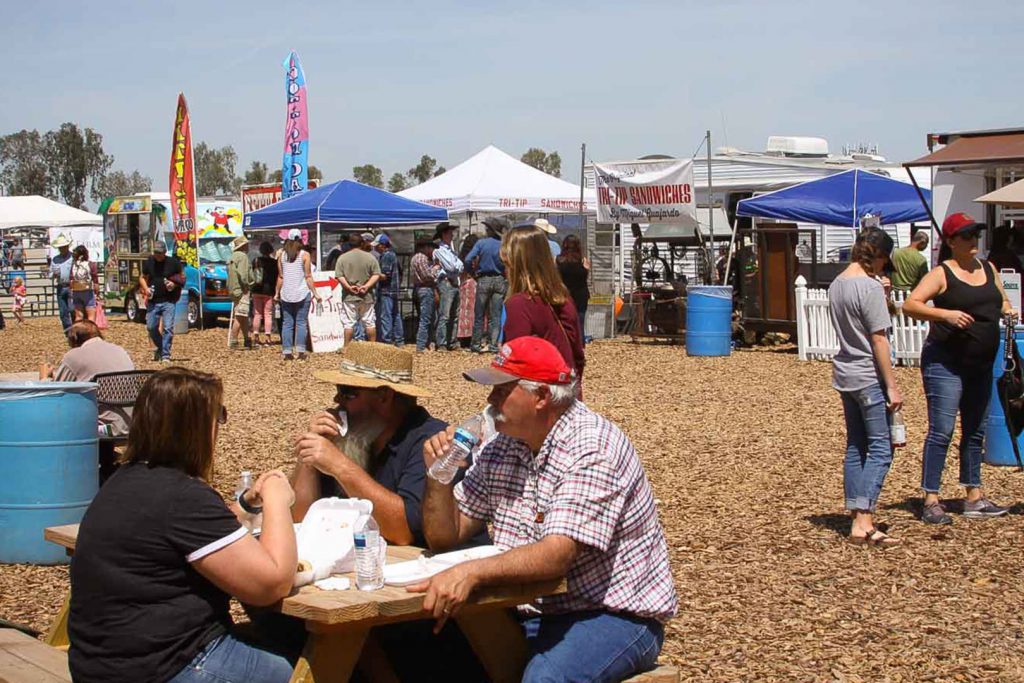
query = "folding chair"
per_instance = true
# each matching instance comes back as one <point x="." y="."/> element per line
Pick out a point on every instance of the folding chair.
<point x="118" y="390"/>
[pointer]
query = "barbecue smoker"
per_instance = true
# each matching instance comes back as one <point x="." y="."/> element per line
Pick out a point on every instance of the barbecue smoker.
<point x="665" y="259"/>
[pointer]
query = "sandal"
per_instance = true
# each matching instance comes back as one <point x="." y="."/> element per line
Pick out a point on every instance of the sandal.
<point x="877" y="538"/>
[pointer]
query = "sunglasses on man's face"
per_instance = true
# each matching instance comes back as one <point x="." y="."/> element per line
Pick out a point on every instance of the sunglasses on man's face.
<point x="347" y="393"/>
<point x="222" y="416"/>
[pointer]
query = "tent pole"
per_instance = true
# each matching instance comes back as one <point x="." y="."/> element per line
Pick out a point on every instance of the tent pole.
<point x="582" y="219"/>
<point x="709" y="249"/>
<point x="318" y="248"/>
<point x="924" y="203"/>
<point x="732" y="246"/>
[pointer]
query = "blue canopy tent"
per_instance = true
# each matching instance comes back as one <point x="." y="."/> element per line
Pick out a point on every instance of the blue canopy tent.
<point x="345" y="202"/>
<point x="842" y="199"/>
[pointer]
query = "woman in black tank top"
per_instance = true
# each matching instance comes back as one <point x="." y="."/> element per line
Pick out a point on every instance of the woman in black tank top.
<point x="956" y="362"/>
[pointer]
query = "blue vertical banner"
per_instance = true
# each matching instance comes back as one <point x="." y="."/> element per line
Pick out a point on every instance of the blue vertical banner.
<point x="295" y="170"/>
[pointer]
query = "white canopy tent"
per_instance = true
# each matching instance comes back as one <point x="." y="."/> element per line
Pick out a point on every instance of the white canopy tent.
<point x="491" y="181"/>
<point x="34" y="211"/>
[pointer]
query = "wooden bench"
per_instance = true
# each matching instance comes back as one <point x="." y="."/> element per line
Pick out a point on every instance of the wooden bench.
<point x="23" y="659"/>
<point x="663" y="674"/>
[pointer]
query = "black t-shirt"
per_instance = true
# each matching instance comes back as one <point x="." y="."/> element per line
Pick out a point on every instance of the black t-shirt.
<point x="268" y="284"/>
<point x="399" y="468"/>
<point x="139" y="610"/>
<point x="574" y="277"/>
<point x="155" y="272"/>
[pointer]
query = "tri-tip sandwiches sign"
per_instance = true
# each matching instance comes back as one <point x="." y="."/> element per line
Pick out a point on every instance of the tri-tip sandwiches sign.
<point x="655" y="191"/>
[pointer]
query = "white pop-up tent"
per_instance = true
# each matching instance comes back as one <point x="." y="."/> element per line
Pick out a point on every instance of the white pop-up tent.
<point x="34" y="211"/>
<point x="491" y="181"/>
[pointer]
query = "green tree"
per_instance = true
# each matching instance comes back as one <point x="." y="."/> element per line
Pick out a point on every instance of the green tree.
<point x="23" y="168"/>
<point x="76" y="163"/>
<point x="425" y="170"/>
<point x="257" y="174"/>
<point x="276" y="175"/>
<point x="542" y="161"/>
<point x="119" y="183"/>
<point x="368" y="174"/>
<point x="397" y="183"/>
<point x="315" y="173"/>
<point x="215" y="170"/>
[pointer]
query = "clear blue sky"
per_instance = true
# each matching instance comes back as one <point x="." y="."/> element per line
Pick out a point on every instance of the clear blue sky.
<point x="391" y="81"/>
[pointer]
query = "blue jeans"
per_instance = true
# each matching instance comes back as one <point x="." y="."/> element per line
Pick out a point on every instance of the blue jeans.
<point x="154" y="314"/>
<point x="64" y="305"/>
<point x="227" y="660"/>
<point x="294" y="324"/>
<point x="447" y="314"/>
<point x="490" y="295"/>
<point x="868" y="446"/>
<point x="389" y="317"/>
<point x="947" y="389"/>
<point x="425" y="306"/>
<point x="590" y="646"/>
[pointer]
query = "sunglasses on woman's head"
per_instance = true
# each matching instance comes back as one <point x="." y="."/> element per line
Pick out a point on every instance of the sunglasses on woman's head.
<point x="222" y="416"/>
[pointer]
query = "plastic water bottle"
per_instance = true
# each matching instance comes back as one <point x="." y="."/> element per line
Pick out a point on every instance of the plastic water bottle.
<point x="369" y="563"/>
<point x="467" y="437"/>
<point x="249" y="520"/>
<point x="898" y="430"/>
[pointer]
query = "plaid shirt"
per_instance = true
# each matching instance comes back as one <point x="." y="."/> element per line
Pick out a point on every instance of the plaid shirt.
<point x="586" y="483"/>
<point x="423" y="274"/>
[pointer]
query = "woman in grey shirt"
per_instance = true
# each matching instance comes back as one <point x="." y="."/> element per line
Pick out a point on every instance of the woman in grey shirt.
<point x="862" y="374"/>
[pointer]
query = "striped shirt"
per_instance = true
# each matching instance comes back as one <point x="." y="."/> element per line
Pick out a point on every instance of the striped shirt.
<point x="586" y="483"/>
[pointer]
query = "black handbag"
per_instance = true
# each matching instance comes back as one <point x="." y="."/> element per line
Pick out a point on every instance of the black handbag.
<point x="1010" y="387"/>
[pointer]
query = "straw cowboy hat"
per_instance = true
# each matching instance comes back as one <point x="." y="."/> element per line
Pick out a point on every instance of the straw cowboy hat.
<point x="372" y="365"/>
<point x="239" y="242"/>
<point x="545" y="226"/>
<point x="61" y="240"/>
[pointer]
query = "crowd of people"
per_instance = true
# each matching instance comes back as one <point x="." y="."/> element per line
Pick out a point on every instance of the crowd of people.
<point x="963" y="300"/>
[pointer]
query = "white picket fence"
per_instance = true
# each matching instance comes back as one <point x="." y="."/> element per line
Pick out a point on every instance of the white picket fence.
<point x="817" y="340"/>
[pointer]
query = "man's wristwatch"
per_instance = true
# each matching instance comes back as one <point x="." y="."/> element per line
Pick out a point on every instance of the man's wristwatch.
<point x="245" y="505"/>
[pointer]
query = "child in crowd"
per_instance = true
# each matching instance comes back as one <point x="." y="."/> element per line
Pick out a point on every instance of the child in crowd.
<point x="20" y="293"/>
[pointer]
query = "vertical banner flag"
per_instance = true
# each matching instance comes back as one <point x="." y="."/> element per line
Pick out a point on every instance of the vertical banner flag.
<point x="655" y="191"/>
<point x="182" y="187"/>
<point x="295" y="172"/>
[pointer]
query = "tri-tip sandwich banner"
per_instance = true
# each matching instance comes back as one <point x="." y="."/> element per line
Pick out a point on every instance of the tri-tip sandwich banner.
<point x="648" y="191"/>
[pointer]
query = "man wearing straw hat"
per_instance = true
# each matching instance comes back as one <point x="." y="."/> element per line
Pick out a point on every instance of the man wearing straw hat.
<point x="60" y="271"/>
<point x="379" y="457"/>
<point x="239" y="282"/>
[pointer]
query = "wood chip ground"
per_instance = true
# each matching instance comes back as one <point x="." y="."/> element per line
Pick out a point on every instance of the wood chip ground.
<point x="745" y="457"/>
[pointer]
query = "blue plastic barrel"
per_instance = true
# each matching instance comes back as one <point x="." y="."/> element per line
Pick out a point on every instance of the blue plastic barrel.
<point x="998" y="448"/>
<point x="708" y="320"/>
<point x="48" y="465"/>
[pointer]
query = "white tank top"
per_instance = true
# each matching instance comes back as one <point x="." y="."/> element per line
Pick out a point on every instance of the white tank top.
<point x="294" y="288"/>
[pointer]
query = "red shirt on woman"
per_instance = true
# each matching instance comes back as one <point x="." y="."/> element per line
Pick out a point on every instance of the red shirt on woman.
<point x="526" y="316"/>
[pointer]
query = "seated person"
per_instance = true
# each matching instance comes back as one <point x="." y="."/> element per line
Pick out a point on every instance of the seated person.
<point x="150" y="589"/>
<point x="90" y="355"/>
<point x="589" y="516"/>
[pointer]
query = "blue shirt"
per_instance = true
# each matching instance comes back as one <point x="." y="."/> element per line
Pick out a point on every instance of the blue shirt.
<point x="488" y="249"/>
<point x="555" y="249"/>
<point x="390" y="270"/>
<point x="450" y="264"/>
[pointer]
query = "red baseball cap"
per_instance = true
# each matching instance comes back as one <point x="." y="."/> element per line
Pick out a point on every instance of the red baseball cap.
<point x="529" y="358"/>
<point x="956" y="223"/>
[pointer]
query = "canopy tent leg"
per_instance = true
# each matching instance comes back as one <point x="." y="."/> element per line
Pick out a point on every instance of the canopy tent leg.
<point x="318" y="248"/>
<point x="924" y="203"/>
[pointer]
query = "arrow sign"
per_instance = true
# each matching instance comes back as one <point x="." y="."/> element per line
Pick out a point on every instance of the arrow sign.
<point x="332" y="282"/>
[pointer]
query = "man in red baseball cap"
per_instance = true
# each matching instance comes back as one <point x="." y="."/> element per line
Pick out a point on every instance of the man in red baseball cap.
<point x="566" y="495"/>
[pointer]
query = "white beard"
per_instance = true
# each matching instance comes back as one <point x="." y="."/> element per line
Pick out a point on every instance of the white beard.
<point x="358" y="443"/>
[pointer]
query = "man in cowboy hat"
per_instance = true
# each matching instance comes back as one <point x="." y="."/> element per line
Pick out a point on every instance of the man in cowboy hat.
<point x="380" y="459"/>
<point x="240" y="280"/>
<point x="550" y="230"/>
<point x="567" y="496"/>
<point x="60" y="271"/>
<point x="449" y="269"/>
<point x="490" y="284"/>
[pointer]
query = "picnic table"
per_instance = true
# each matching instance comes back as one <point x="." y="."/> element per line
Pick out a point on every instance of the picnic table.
<point x="339" y="622"/>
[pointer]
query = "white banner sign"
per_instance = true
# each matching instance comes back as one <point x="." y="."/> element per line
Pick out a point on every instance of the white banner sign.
<point x="90" y="235"/>
<point x="1011" y="285"/>
<point x="325" y="328"/>
<point x="657" y="191"/>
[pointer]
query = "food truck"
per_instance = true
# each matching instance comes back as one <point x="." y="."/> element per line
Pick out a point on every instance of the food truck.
<point x="131" y="225"/>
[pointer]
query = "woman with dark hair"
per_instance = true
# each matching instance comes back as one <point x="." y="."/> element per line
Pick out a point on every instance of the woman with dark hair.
<point x="574" y="268"/>
<point x="263" y="294"/>
<point x="862" y="374"/>
<point x="537" y="303"/>
<point x="467" y="292"/>
<point x="956" y="362"/>
<point x="84" y="284"/>
<point x="150" y="589"/>
<point x="294" y="290"/>
<point x="1001" y="253"/>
